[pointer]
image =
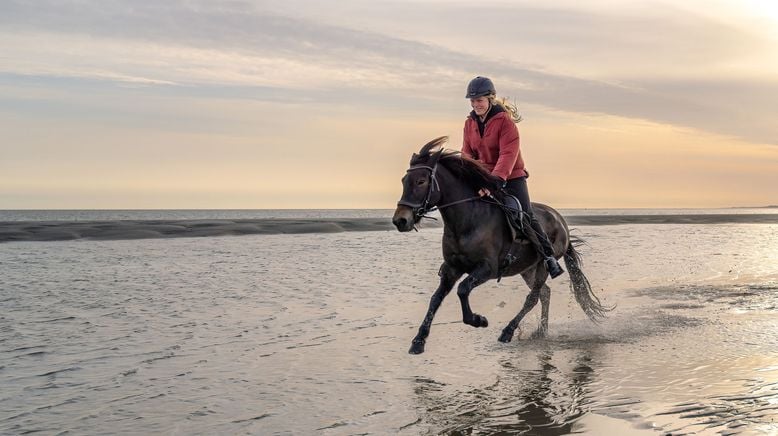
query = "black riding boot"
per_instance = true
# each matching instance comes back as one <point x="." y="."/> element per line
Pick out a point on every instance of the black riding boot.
<point x="552" y="266"/>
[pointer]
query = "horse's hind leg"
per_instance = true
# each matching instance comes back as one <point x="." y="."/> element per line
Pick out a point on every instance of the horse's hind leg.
<point x="536" y="279"/>
<point x="448" y="276"/>
<point x="545" y="301"/>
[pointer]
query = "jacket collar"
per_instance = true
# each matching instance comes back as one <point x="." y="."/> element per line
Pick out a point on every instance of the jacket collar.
<point x="494" y="110"/>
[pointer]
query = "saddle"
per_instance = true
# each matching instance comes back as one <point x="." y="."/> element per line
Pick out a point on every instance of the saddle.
<point x="517" y="219"/>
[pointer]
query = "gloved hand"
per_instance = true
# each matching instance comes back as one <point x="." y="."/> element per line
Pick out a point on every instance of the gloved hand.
<point x="485" y="192"/>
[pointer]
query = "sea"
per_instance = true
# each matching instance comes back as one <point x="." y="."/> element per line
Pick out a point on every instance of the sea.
<point x="248" y="214"/>
<point x="297" y="322"/>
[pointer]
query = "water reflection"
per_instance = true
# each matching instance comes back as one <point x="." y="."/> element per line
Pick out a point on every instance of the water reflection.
<point x="540" y="391"/>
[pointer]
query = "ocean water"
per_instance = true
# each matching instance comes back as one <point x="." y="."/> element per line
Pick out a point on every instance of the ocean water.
<point x="187" y="214"/>
<point x="308" y="334"/>
<point x="243" y="214"/>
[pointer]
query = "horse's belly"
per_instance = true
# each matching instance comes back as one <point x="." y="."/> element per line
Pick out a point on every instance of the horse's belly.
<point x="468" y="261"/>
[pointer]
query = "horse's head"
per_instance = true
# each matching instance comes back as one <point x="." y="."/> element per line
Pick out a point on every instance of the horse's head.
<point x="420" y="186"/>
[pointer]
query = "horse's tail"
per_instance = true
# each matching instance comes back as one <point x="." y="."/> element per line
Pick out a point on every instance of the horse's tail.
<point x="580" y="286"/>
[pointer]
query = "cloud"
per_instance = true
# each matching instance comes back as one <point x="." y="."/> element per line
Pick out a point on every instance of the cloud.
<point x="648" y="61"/>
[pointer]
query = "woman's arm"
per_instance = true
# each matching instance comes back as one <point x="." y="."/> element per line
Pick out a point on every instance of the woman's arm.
<point x="509" y="149"/>
<point x="467" y="149"/>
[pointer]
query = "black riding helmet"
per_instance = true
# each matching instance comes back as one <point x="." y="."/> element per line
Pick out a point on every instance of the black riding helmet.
<point x="480" y="87"/>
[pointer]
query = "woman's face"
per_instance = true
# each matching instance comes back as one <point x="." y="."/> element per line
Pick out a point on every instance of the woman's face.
<point x="480" y="105"/>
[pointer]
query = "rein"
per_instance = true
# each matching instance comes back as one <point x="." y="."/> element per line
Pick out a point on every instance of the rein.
<point x="434" y="208"/>
<point x="465" y="200"/>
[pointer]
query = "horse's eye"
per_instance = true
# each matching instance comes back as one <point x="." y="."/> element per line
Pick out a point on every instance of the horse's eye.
<point x="421" y="182"/>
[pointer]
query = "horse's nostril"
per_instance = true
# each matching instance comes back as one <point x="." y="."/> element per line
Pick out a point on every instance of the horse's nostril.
<point x="400" y="222"/>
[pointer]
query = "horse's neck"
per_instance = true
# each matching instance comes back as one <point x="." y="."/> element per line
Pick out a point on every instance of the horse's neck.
<point x="463" y="218"/>
<point x="459" y="218"/>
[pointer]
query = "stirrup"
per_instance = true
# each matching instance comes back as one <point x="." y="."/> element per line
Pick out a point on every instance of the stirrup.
<point x="553" y="268"/>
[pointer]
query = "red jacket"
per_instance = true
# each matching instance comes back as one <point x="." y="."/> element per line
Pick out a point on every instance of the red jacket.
<point x="499" y="148"/>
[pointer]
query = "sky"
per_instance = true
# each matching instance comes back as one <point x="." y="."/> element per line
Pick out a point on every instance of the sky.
<point x="139" y="104"/>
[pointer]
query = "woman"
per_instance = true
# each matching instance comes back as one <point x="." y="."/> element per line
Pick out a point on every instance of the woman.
<point x="492" y="138"/>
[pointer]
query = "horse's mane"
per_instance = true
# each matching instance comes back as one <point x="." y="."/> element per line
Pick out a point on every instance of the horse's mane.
<point x="461" y="166"/>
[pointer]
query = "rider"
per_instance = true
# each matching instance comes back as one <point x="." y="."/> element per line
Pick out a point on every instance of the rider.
<point x="492" y="138"/>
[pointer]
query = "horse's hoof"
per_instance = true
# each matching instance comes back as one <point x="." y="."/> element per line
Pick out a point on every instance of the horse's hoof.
<point x="505" y="337"/>
<point x="538" y="334"/>
<point x="477" y="321"/>
<point x="416" y="348"/>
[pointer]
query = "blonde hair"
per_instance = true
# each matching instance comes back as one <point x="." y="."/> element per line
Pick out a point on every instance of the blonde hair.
<point x="509" y="107"/>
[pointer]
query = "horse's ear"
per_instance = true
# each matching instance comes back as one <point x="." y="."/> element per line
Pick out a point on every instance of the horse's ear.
<point x="435" y="157"/>
<point x="435" y="143"/>
<point x="414" y="157"/>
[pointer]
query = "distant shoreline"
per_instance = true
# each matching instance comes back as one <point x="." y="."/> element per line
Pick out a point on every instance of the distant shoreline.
<point x="154" y="229"/>
<point x="604" y="220"/>
<point x="771" y="206"/>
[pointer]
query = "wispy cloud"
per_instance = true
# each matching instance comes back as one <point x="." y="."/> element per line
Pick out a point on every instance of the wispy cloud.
<point x="647" y="60"/>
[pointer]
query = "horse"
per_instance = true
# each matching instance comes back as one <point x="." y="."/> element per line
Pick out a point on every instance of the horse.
<point x="478" y="240"/>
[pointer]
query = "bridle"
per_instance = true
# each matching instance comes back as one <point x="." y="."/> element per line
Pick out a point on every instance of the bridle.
<point x="420" y="210"/>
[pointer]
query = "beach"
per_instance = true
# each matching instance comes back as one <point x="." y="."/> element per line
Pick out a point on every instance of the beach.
<point x="117" y="229"/>
<point x="306" y="332"/>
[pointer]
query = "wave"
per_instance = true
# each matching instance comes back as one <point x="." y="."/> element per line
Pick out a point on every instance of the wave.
<point x="145" y="229"/>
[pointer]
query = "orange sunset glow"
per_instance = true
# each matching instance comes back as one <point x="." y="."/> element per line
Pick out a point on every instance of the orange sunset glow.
<point x="307" y="105"/>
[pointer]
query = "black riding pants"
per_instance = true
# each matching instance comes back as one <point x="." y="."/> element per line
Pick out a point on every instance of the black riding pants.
<point x="518" y="188"/>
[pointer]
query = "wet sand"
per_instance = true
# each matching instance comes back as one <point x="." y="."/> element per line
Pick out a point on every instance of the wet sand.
<point x="308" y="334"/>
<point x="149" y="229"/>
<point x="130" y="229"/>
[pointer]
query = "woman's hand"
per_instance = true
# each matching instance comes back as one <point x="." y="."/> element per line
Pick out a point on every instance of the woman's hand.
<point x="485" y="192"/>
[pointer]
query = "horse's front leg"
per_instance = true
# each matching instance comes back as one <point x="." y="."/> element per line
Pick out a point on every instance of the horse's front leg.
<point x="478" y="276"/>
<point x="448" y="276"/>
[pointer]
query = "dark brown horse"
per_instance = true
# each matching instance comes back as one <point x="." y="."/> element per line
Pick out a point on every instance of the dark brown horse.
<point x="478" y="241"/>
